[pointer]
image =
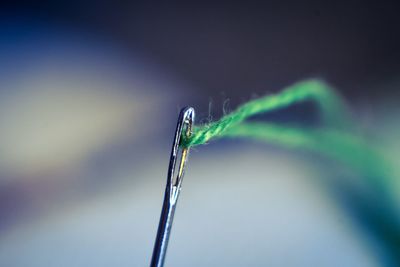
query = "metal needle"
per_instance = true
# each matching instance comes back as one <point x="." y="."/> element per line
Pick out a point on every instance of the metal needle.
<point x="173" y="187"/>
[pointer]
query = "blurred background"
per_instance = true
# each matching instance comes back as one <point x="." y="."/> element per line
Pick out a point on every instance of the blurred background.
<point x="89" y="97"/>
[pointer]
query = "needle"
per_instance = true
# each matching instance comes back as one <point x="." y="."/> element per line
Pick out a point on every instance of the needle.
<point x="173" y="187"/>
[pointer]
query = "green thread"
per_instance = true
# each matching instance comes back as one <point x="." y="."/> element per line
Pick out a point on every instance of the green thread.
<point x="375" y="208"/>
<point x="335" y="139"/>
<point x="330" y="104"/>
<point x="332" y="140"/>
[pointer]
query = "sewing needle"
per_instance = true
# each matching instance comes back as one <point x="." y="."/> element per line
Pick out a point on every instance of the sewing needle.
<point x="173" y="187"/>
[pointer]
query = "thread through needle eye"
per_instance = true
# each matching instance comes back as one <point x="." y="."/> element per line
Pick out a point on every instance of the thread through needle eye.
<point x="173" y="187"/>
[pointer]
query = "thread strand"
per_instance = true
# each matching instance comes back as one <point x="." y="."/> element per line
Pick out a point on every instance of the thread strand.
<point x="331" y="105"/>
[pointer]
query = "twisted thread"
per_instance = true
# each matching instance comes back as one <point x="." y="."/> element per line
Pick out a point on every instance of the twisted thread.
<point x="330" y="104"/>
<point x="376" y="207"/>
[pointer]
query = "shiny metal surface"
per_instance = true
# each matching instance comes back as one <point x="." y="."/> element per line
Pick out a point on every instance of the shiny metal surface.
<point x="173" y="187"/>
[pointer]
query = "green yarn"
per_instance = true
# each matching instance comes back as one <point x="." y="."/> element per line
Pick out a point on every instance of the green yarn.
<point x="372" y="201"/>
<point x="335" y="139"/>
<point x="330" y="104"/>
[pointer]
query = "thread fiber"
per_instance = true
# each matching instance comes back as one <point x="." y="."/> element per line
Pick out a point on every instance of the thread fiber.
<point x="372" y="199"/>
<point x="330" y="104"/>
